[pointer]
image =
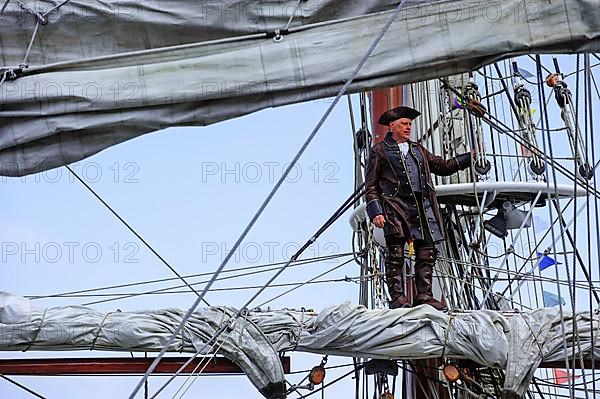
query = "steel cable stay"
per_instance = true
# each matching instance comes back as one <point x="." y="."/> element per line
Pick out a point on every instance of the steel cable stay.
<point x="521" y="277"/>
<point x="547" y="145"/>
<point x="589" y="109"/>
<point x="23" y="387"/>
<point x="134" y="232"/>
<point x="342" y="91"/>
<point x="232" y="288"/>
<point x="166" y="290"/>
<point x="296" y="284"/>
<point x="301" y="262"/>
<point x="310" y="281"/>
<point x="571" y="289"/>
<point x="338" y="213"/>
<point x="200" y="366"/>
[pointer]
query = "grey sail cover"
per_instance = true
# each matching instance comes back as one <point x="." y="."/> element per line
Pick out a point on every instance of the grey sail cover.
<point x="516" y="342"/>
<point x="101" y="72"/>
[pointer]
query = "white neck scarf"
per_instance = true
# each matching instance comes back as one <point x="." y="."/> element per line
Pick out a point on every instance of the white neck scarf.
<point x="403" y="148"/>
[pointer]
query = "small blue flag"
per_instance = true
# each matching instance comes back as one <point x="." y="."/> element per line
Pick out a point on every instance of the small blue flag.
<point x="551" y="299"/>
<point x="546" y="261"/>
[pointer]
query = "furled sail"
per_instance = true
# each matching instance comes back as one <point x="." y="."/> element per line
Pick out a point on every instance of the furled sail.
<point x="102" y="73"/>
<point x="514" y="341"/>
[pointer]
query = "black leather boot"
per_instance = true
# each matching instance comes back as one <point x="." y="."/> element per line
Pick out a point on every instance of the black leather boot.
<point x="425" y="261"/>
<point x="394" y="272"/>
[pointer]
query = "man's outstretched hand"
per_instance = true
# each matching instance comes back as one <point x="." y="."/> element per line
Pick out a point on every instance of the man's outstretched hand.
<point x="379" y="221"/>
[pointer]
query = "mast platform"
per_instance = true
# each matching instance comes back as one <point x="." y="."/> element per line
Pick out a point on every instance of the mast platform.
<point x="499" y="192"/>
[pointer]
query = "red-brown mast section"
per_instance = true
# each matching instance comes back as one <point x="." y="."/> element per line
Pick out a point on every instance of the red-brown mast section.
<point x="381" y="101"/>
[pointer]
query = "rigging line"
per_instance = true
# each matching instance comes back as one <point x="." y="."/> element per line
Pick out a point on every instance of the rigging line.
<point x="553" y="244"/>
<point x="493" y="78"/>
<point x="511" y="102"/>
<point x="306" y="282"/>
<point x="547" y="145"/>
<point x="301" y="262"/>
<point x="498" y="125"/>
<point x="581" y="284"/>
<point x="345" y="206"/>
<point x="163" y="290"/>
<point x="590" y="80"/>
<point x="83" y="62"/>
<point x="342" y="91"/>
<point x="577" y="259"/>
<point x="23" y="387"/>
<point x="541" y="65"/>
<point x="39" y="18"/>
<point x="35" y="31"/>
<point x="579" y="70"/>
<point x="548" y="381"/>
<point x="576" y="141"/>
<point x="289" y="22"/>
<point x="206" y="362"/>
<point x="332" y="382"/>
<point x="539" y="242"/>
<point x="346" y="279"/>
<point x="166" y="292"/>
<point x="549" y="160"/>
<point x="531" y="278"/>
<point x="132" y="230"/>
<point x="595" y="86"/>
<point x="326" y="368"/>
<point x="491" y="285"/>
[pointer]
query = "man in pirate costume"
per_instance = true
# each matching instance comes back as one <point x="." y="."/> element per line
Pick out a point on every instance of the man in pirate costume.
<point x="401" y="199"/>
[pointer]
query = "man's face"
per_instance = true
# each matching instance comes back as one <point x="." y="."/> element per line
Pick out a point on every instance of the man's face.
<point x="401" y="129"/>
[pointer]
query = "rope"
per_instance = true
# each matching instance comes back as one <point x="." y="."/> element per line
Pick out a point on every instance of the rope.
<point x="99" y="330"/>
<point x="172" y="289"/>
<point x="195" y="374"/>
<point x="447" y="333"/>
<point x="35" y="31"/>
<point x="4" y="6"/>
<point x="37" y="332"/>
<point x="302" y="262"/>
<point x="135" y="233"/>
<point x="41" y="18"/>
<point x="236" y="288"/>
<point x="545" y="122"/>
<point x="289" y="22"/>
<point x="306" y="282"/>
<point x="23" y="387"/>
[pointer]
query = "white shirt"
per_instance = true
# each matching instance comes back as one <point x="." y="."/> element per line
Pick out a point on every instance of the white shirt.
<point x="403" y="148"/>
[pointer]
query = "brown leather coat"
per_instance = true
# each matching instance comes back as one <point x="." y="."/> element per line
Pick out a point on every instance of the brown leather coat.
<point x="390" y="193"/>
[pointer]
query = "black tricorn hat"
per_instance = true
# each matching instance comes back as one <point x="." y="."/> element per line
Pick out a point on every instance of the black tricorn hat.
<point x="396" y="113"/>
